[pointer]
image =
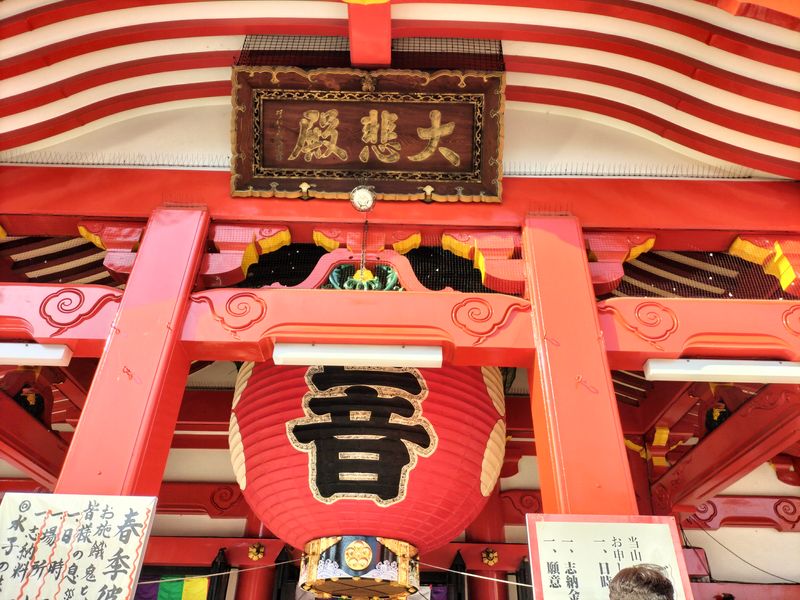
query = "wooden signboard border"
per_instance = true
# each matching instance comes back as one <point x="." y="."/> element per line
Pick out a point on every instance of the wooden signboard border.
<point x="253" y="176"/>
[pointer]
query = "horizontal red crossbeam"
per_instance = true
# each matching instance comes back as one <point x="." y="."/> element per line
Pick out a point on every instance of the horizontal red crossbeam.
<point x="64" y="194"/>
<point x="472" y="329"/>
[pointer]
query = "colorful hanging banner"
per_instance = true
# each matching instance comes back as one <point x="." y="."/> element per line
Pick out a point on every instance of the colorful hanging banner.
<point x="170" y="587"/>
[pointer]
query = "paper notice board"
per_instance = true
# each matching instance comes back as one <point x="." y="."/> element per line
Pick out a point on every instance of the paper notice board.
<point x="67" y="547"/>
<point x="574" y="557"/>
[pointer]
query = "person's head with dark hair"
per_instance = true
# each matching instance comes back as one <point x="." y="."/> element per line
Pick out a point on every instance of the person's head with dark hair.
<point x="641" y="582"/>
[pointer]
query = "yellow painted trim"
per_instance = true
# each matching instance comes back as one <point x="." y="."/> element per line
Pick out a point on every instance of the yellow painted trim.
<point x="660" y="461"/>
<point x="774" y="262"/>
<point x="645" y="246"/>
<point x="92" y="237"/>
<point x="781" y="267"/>
<point x="363" y="275"/>
<point x="466" y="250"/>
<point x="451" y="244"/>
<point x="410" y="243"/>
<point x="636" y="448"/>
<point x="322" y="240"/>
<point x="264" y="246"/>
<point x="749" y="251"/>
<point x="3" y="233"/>
<point x="661" y="436"/>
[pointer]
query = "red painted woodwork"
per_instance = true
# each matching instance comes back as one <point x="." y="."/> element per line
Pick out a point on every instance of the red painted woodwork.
<point x="133" y="403"/>
<point x="776" y="512"/>
<point x="370" y="31"/>
<point x="200" y="551"/>
<point x="488" y="528"/>
<point x="639" y="328"/>
<point x="472" y="329"/>
<point x="28" y="445"/>
<point x="518" y="503"/>
<point x="444" y="487"/>
<point x="787" y="468"/>
<point x="78" y="316"/>
<point x="496" y="254"/>
<point x="662" y="127"/>
<point x="660" y="92"/>
<point x="164" y="30"/>
<point x="762" y="591"/>
<point x="574" y="408"/>
<point x="256" y="584"/>
<point x="607" y="253"/>
<point x="28" y="193"/>
<point x="757" y="431"/>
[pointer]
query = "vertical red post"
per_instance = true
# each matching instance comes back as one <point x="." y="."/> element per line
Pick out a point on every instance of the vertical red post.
<point x="126" y="427"/>
<point x="488" y="528"/>
<point x="258" y="584"/>
<point x="370" y="30"/>
<point x="582" y="457"/>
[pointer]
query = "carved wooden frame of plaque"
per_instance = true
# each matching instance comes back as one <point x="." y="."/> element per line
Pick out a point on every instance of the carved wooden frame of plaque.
<point x="478" y="181"/>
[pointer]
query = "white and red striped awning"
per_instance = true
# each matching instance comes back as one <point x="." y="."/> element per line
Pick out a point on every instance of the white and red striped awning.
<point x="683" y="72"/>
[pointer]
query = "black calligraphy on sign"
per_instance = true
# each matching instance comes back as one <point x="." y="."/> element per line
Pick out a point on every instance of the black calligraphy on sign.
<point x="363" y="431"/>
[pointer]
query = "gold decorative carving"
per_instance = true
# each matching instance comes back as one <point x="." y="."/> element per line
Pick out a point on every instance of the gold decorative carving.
<point x="358" y="555"/>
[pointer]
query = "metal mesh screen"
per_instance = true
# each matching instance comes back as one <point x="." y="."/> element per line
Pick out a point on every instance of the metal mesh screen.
<point x="430" y="54"/>
<point x="427" y="54"/>
<point x="435" y="268"/>
<point x="697" y="275"/>
<point x="304" y="51"/>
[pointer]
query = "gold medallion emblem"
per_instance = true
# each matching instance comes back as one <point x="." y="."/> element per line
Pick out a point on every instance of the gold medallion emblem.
<point x="358" y="555"/>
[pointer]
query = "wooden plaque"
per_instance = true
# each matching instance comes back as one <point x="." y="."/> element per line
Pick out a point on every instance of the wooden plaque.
<point x="409" y="134"/>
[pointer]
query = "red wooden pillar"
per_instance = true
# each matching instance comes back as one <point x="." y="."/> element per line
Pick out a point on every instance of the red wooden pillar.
<point x="258" y="584"/>
<point x="582" y="457"/>
<point x="488" y="528"/>
<point x="125" y="430"/>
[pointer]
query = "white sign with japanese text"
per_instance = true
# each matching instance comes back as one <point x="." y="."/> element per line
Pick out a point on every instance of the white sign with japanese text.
<point x="576" y="560"/>
<point x="70" y="547"/>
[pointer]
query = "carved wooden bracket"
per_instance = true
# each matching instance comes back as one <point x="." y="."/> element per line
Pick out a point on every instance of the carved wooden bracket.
<point x="777" y="256"/>
<point x="607" y="253"/>
<point x="787" y="468"/>
<point x="378" y="239"/>
<point x="497" y="255"/>
<point x="778" y="512"/>
<point x="518" y="503"/>
<point x="232" y="248"/>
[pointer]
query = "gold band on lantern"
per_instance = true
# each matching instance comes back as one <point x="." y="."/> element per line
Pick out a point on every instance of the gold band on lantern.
<point x="352" y="566"/>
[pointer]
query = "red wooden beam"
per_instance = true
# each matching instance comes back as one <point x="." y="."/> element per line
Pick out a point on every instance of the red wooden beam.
<point x="135" y="396"/>
<point x="635" y="329"/>
<point x="370" y="30"/>
<point x="217" y="500"/>
<point x="29" y="445"/>
<point x="573" y="403"/>
<point x="757" y="431"/>
<point x="62" y="194"/>
<point x="781" y="513"/>
<point x="472" y="329"/>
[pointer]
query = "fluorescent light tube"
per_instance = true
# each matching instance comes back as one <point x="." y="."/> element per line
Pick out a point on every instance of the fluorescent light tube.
<point x="723" y="371"/>
<point x="357" y="355"/>
<point x="47" y="355"/>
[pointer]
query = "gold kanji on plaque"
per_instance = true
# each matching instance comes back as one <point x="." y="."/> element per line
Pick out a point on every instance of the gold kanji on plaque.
<point x="433" y="135"/>
<point x="380" y="136"/>
<point x="318" y="136"/>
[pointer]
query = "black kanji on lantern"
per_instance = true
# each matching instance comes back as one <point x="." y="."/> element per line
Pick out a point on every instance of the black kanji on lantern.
<point x="364" y="431"/>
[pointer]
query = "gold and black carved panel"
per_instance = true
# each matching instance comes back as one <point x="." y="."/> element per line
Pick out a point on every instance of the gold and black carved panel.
<point x="409" y="134"/>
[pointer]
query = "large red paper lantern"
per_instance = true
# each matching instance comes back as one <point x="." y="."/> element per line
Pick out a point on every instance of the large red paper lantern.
<point x="400" y="454"/>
